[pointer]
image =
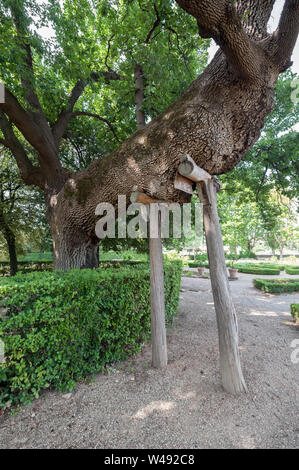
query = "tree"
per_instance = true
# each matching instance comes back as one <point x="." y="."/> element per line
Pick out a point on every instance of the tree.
<point x="21" y="211"/>
<point x="216" y="120"/>
<point x="241" y="222"/>
<point x="280" y="222"/>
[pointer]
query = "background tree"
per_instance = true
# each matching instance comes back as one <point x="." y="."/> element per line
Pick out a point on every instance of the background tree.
<point x="22" y="220"/>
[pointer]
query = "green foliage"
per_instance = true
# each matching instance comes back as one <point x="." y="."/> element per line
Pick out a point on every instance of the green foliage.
<point x="61" y="327"/>
<point x="201" y="257"/>
<point x="295" y="312"/>
<point x="292" y="269"/>
<point x="198" y="265"/>
<point x="277" y="286"/>
<point x="26" y="266"/>
<point x="259" y="270"/>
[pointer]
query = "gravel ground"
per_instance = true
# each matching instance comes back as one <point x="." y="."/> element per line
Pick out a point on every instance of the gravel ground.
<point x="183" y="406"/>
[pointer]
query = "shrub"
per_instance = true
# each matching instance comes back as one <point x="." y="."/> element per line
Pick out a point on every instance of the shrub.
<point x="258" y="270"/>
<point x="292" y="269"/>
<point x="247" y="254"/>
<point x="295" y="312"/>
<point x="26" y="266"/>
<point x="61" y="327"/>
<point x="203" y="257"/>
<point x="198" y="265"/>
<point x="277" y="286"/>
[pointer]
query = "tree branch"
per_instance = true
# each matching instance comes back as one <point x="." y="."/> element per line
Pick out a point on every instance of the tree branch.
<point x="96" y="116"/>
<point x="29" y="173"/>
<point x="218" y="19"/>
<point x="155" y="25"/>
<point x="65" y="116"/>
<point x="286" y="34"/>
<point x="39" y="136"/>
<point x="27" y="78"/>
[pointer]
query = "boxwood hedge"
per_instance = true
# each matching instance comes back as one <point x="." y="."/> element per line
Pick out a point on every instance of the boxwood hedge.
<point x="259" y="270"/>
<point x="295" y="312"/>
<point x="60" y="327"/>
<point x="277" y="286"/>
<point x="197" y="264"/>
<point x="292" y="269"/>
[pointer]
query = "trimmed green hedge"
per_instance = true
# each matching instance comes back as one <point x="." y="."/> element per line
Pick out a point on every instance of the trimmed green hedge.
<point x="295" y="312"/>
<point x="26" y="266"/>
<point x="250" y="270"/>
<point x="62" y="327"/>
<point x="292" y="269"/>
<point x="198" y="265"/>
<point x="277" y="286"/>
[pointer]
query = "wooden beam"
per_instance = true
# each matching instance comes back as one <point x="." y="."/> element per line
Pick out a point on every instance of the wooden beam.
<point x="183" y="184"/>
<point x="190" y="170"/>
<point x="142" y="198"/>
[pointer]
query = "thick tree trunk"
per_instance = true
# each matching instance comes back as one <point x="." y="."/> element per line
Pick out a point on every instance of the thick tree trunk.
<point x="74" y="250"/>
<point x="230" y="366"/>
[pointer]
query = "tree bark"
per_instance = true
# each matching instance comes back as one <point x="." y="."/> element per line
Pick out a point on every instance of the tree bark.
<point x="11" y="244"/>
<point x="230" y="366"/>
<point x="74" y="249"/>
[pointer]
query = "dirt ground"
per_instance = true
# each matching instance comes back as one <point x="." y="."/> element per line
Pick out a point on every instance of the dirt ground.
<point x="183" y="406"/>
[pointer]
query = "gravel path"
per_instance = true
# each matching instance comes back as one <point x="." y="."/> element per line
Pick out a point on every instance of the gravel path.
<point x="183" y="406"/>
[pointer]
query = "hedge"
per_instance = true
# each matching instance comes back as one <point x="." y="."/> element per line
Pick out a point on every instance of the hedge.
<point x="62" y="327"/>
<point x="277" y="286"/>
<point x="292" y="269"/>
<point x="26" y="266"/>
<point x="198" y="265"/>
<point x="295" y="312"/>
<point x="249" y="270"/>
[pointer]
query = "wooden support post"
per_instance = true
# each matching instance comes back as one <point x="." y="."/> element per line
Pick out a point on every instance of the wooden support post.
<point x="230" y="365"/>
<point x="159" y="342"/>
<point x="157" y="300"/>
